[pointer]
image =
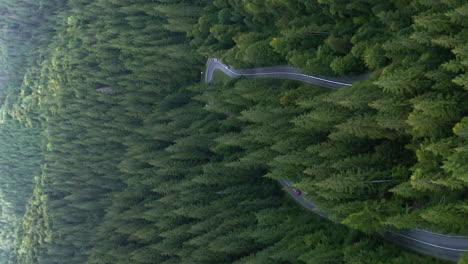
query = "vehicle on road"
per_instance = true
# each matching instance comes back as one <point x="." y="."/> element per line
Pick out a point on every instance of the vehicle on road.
<point x="228" y="67"/>
<point x="298" y="192"/>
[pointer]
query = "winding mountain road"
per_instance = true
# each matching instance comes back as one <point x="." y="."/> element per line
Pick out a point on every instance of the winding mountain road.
<point x="435" y="244"/>
<point x="438" y="245"/>
<point x="283" y="72"/>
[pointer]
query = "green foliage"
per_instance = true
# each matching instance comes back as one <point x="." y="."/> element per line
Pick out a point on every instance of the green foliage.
<point x="129" y="159"/>
<point x="20" y="163"/>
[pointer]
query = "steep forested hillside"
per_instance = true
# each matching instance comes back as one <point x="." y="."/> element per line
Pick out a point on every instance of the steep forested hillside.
<point x="24" y="36"/>
<point x="94" y="93"/>
<point x="21" y="156"/>
<point x="125" y="156"/>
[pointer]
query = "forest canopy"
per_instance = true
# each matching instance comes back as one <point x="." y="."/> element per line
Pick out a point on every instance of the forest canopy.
<point x="115" y="151"/>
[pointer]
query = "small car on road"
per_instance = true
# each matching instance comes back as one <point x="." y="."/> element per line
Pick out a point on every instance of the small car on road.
<point x="298" y="192"/>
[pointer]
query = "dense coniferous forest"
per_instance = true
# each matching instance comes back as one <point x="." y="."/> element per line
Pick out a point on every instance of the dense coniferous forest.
<point x="115" y="151"/>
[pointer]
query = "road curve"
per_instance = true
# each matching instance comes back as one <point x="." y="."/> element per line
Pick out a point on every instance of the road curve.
<point x="283" y="72"/>
<point x="438" y="245"/>
<point x="442" y="246"/>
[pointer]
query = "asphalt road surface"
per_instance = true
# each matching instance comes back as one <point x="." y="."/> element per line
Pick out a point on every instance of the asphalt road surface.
<point x="438" y="245"/>
<point x="283" y="72"/>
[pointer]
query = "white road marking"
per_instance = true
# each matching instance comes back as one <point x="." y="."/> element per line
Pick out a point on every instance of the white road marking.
<point x="429" y="244"/>
<point x="438" y="234"/>
<point x="276" y="73"/>
<point x="417" y="240"/>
